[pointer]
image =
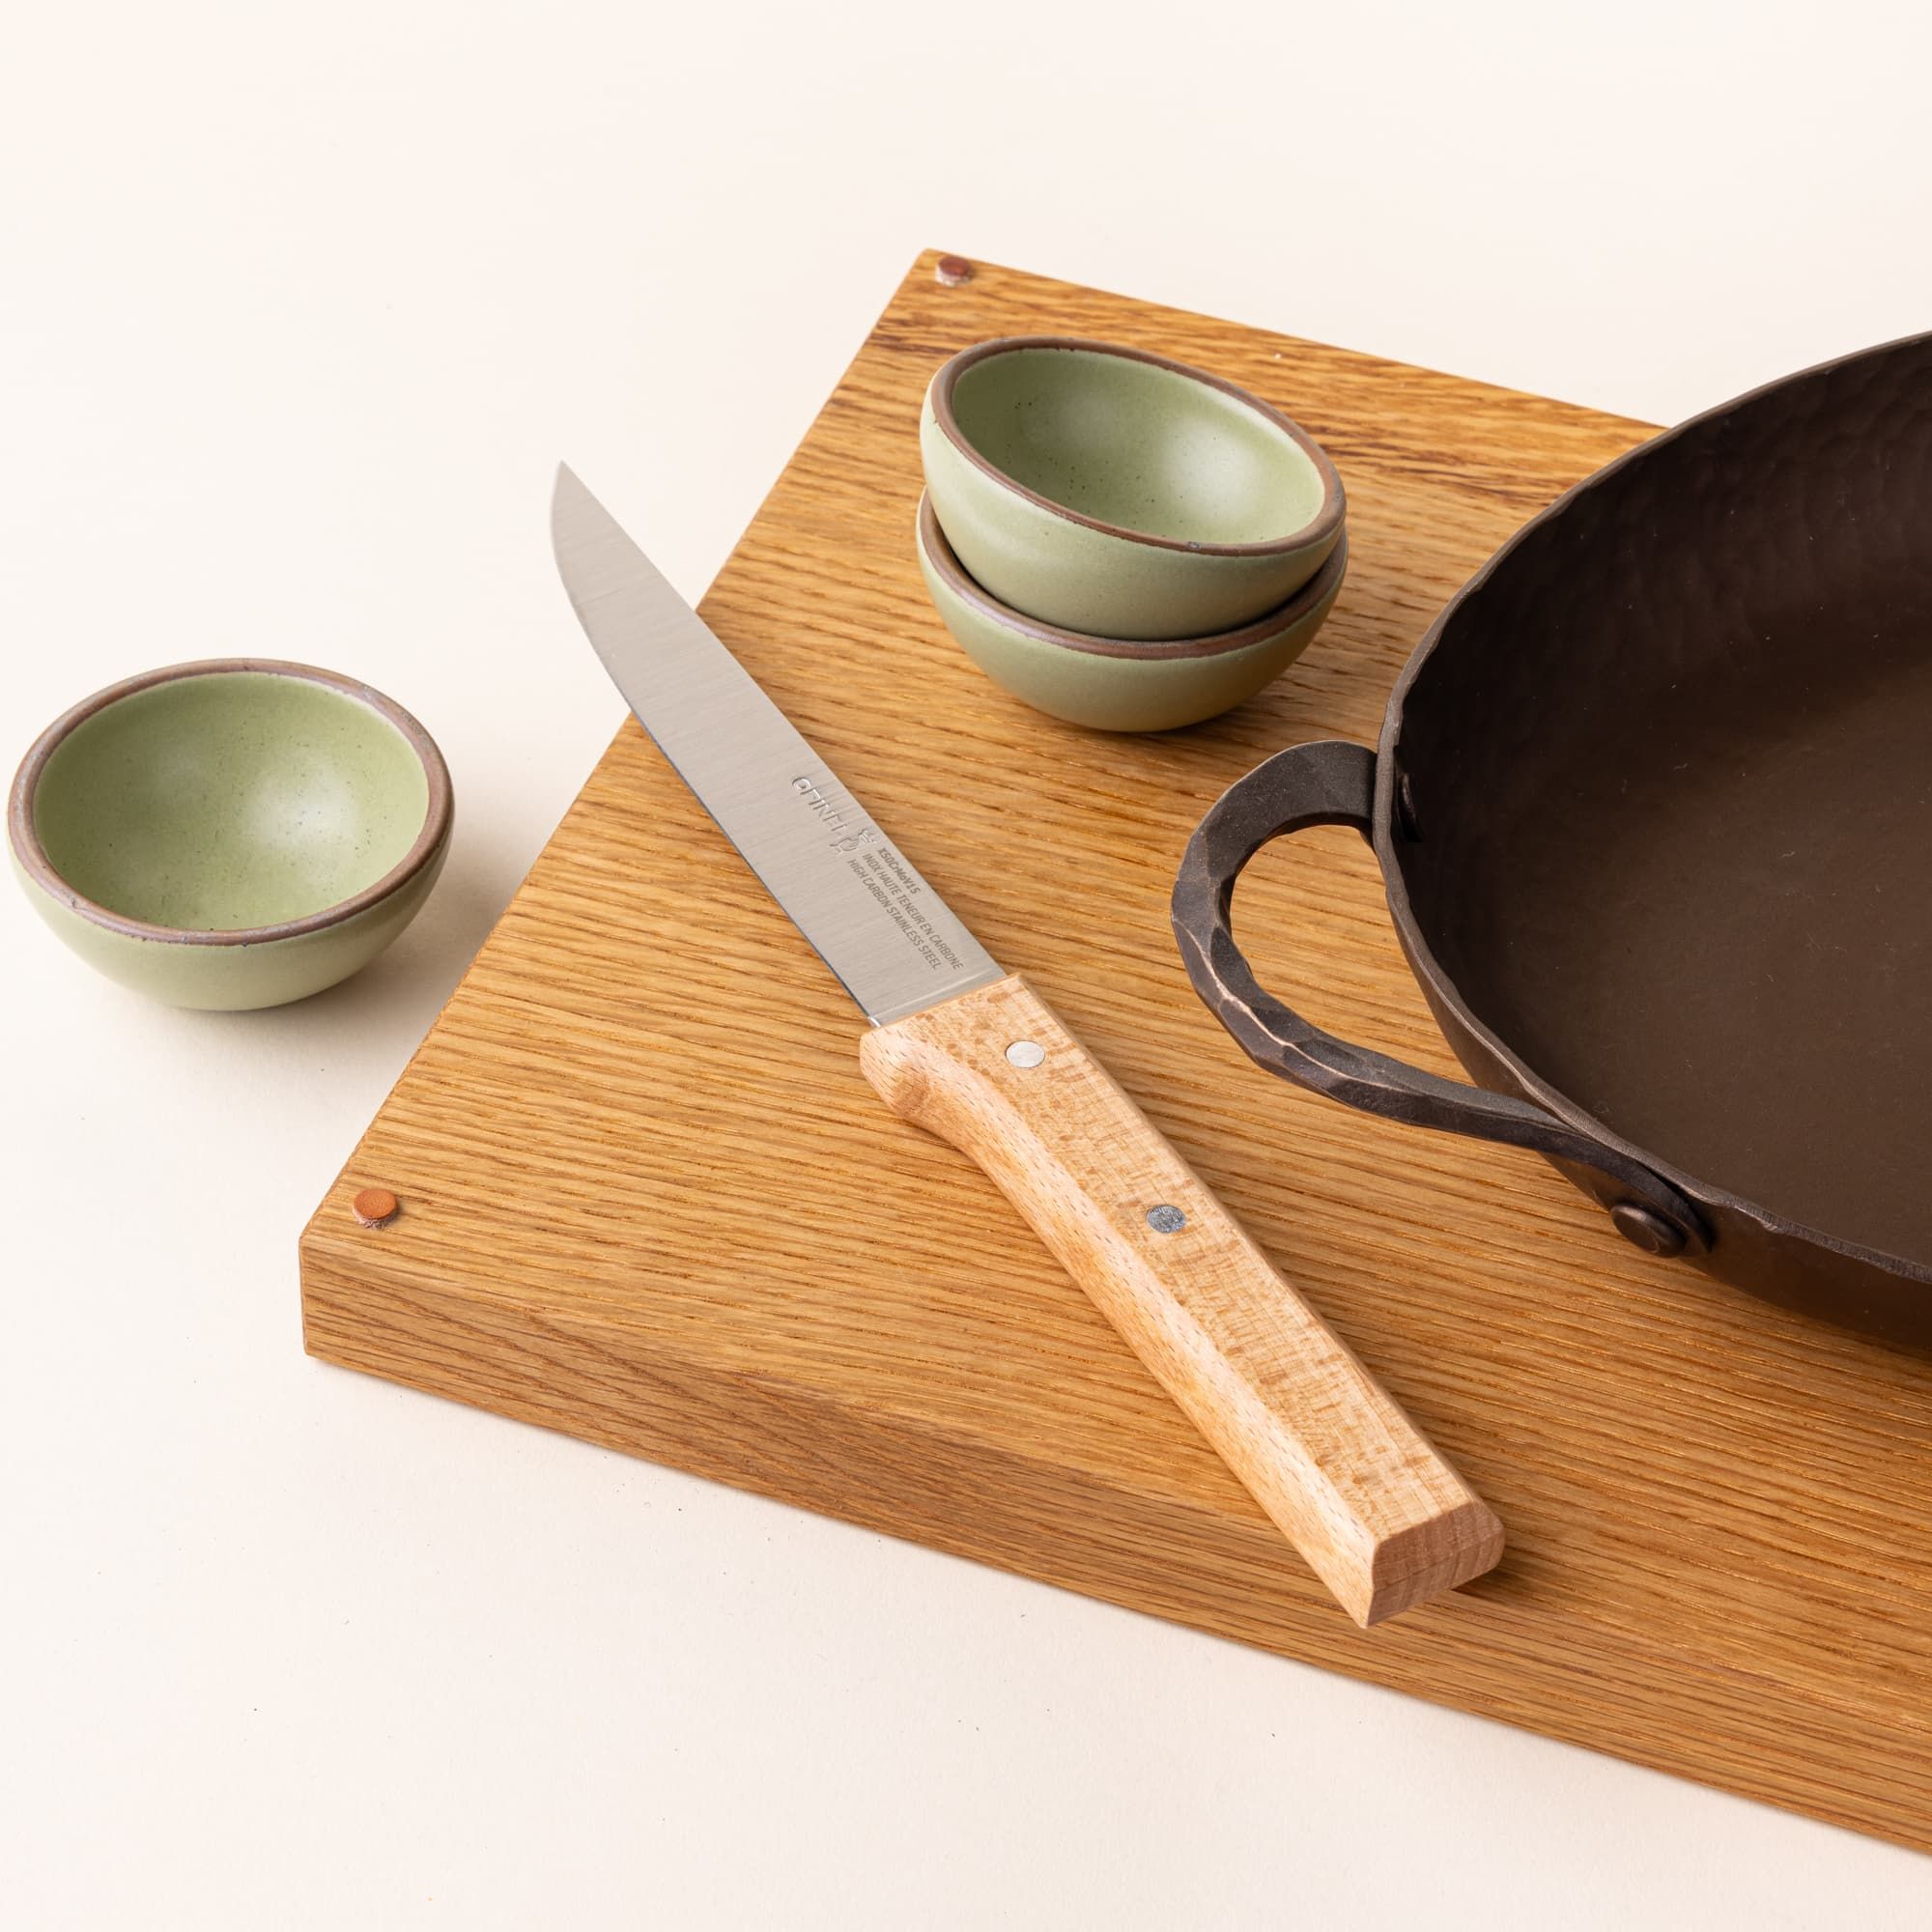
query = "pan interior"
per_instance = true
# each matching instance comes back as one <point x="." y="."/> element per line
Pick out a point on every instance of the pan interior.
<point x="1672" y="766"/>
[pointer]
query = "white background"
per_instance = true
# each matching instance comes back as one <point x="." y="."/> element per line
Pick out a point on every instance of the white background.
<point x="298" y="309"/>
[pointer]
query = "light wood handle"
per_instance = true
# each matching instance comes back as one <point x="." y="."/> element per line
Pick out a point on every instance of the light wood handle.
<point x="1352" y="1483"/>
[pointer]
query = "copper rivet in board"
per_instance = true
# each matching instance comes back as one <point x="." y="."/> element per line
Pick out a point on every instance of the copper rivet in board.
<point x="950" y="270"/>
<point x="374" y="1206"/>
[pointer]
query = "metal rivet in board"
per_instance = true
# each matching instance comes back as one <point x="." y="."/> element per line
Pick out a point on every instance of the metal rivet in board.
<point x="1166" y="1219"/>
<point x="1026" y="1053"/>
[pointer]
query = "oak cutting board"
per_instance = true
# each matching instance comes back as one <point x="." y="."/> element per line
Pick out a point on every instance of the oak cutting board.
<point x="648" y="1199"/>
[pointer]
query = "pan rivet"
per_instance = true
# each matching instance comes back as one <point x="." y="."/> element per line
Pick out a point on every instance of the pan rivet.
<point x="1405" y="806"/>
<point x="1026" y="1053"/>
<point x="1646" y="1229"/>
<point x="1166" y="1219"/>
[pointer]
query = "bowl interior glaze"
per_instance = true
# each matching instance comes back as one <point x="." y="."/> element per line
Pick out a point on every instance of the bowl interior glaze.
<point x="1137" y="447"/>
<point x="230" y="800"/>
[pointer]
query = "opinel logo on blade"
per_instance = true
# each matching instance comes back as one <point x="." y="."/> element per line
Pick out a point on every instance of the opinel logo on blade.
<point x="832" y="818"/>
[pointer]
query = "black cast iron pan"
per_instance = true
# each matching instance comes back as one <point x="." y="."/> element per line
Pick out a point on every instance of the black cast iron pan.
<point x="1653" y="806"/>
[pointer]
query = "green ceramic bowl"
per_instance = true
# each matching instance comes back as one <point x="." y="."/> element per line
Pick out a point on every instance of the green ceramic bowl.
<point x="1113" y="492"/>
<point x="233" y="834"/>
<point x="1116" y="684"/>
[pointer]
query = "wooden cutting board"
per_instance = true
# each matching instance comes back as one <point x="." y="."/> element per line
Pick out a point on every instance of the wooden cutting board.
<point x="648" y="1199"/>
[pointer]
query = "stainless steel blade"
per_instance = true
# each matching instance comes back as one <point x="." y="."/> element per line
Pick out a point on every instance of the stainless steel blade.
<point x="895" y="946"/>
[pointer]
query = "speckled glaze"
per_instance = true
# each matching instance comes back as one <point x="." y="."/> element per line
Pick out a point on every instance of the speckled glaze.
<point x="1117" y="684"/>
<point x="1109" y="491"/>
<point x="231" y="834"/>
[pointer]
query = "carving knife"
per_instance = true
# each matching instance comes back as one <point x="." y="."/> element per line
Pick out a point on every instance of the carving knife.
<point x="975" y="1056"/>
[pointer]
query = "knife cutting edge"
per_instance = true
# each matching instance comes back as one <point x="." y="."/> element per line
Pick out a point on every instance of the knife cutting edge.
<point x="975" y="1056"/>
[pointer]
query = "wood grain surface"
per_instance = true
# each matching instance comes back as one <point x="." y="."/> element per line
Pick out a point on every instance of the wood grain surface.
<point x="1344" y="1474"/>
<point x="648" y="1197"/>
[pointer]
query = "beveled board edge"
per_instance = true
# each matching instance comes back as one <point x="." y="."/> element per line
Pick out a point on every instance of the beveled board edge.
<point x="975" y="1498"/>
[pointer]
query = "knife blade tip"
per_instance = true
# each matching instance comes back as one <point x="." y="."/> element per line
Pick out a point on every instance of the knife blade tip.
<point x="567" y="494"/>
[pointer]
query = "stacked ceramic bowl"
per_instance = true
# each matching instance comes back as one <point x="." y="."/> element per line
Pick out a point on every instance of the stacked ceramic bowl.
<point x="1118" y="539"/>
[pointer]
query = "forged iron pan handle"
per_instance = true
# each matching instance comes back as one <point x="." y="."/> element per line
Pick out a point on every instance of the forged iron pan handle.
<point x="1333" y="782"/>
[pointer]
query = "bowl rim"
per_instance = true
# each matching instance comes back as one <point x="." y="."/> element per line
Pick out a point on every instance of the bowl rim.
<point x="1307" y="598"/>
<point x="1326" y="518"/>
<point x="33" y="858"/>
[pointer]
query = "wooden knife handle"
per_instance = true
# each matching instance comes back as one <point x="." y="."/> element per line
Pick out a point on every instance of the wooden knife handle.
<point x="1354" y="1484"/>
